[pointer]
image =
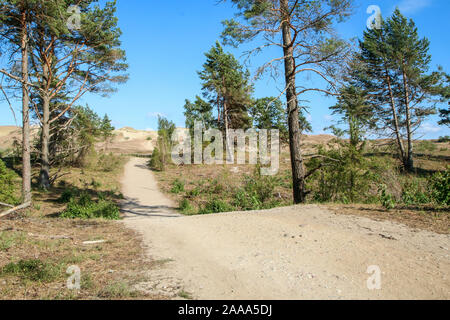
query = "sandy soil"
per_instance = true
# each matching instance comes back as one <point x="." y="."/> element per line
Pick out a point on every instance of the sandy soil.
<point x="299" y="252"/>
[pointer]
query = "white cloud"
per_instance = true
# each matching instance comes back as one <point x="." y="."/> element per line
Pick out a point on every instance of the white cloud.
<point x="430" y="128"/>
<point x="328" y="117"/>
<point x="150" y="129"/>
<point x="412" y="6"/>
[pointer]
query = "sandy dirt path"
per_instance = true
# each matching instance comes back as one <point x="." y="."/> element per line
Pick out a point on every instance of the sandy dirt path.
<point x="299" y="252"/>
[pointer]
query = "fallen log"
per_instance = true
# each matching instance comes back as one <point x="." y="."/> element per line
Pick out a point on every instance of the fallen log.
<point x="22" y="206"/>
<point x="6" y="205"/>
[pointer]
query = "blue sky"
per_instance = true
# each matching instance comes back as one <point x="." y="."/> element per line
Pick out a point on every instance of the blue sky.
<point x="166" y="41"/>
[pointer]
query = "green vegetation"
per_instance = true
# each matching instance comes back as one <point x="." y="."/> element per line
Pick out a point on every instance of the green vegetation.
<point x="178" y="187"/>
<point x="215" y="206"/>
<point x="8" y="240"/>
<point x="33" y="270"/>
<point x="109" y="162"/>
<point x="440" y="187"/>
<point x="7" y="185"/>
<point x="161" y="155"/>
<point x="84" y="207"/>
<point x="118" y="290"/>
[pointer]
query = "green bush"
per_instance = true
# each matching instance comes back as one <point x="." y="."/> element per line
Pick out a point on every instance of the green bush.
<point x="444" y="139"/>
<point x="156" y="161"/>
<point x="186" y="207"/>
<point x="439" y="185"/>
<point x="256" y="192"/>
<point x="386" y="199"/>
<point x="194" y="193"/>
<point x="68" y="195"/>
<point x="261" y="187"/>
<point x="34" y="270"/>
<point x="86" y="208"/>
<point x="342" y="175"/>
<point x="7" y="188"/>
<point x="246" y="201"/>
<point x="177" y="187"/>
<point x="216" y="206"/>
<point x="414" y="194"/>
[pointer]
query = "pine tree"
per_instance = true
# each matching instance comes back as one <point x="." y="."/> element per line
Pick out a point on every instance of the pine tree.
<point x="71" y="63"/>
<point x="396" y="64"/>
<point x="200" y="111"/>
<point x="226" y="85"/>
<point x="269" y="113"/>
<point x="304" y="32"/>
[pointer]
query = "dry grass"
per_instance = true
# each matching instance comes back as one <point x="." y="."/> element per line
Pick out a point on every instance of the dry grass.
<point x="59" y="243"/>
<point x="109" y="270"/>
<point x="421" y="217"/>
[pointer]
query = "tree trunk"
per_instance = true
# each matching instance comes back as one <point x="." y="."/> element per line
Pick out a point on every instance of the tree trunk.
<point x="395" y="117"/>
<point x="26" y="151"/>
<point x="409" y="161"/>
<point x="298" y="170"/>
<point x="44" y="177"/>
<point x="227" y="133"/>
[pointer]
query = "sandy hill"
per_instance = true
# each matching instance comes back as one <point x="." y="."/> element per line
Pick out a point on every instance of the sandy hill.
<point x="126" y="140"/>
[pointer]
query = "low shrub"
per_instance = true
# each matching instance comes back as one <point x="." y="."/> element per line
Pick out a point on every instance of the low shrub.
<point x="245" y="201"/>
<point x="68" y="195"/>
<point x="386" y="199"/>
<point x="156" y="162"/>
<point x="33" y="269"/>
<point x="177" y="187"/>
<point x="216" y="206"/>
<point x="414" y="193"/>
<point x="439" y="185"/>
<point x="186" y="207"/>
<point x="193" y="193"/>
<point x="7" y="185"/>
<point x="109" y="162"/>
<point x="84" y="207"/>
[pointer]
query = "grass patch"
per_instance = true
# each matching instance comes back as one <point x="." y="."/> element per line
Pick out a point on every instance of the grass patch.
<point x="216" y="206"/>
<point x="8" y="240"/>
<point x="102" y="209"/>
<point x="33" y="270"/>
<point x="118" y="290"/>
<point x="185" y="295"/>
<point x="178" y="187"/>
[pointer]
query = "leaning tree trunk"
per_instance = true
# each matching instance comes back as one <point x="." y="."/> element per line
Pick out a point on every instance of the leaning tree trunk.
<point x="298" y="170"/>
<point x="395" y="118"/>
<point x="409" y="161"/>
<point x="26" y="151"/>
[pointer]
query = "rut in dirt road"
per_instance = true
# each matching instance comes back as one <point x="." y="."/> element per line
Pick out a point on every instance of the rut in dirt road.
<point x="299" y="252"/>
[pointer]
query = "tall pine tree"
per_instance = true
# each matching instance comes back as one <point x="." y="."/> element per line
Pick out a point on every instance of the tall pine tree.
<point x="395" y="74"/>
<point x="303" y="30"/>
